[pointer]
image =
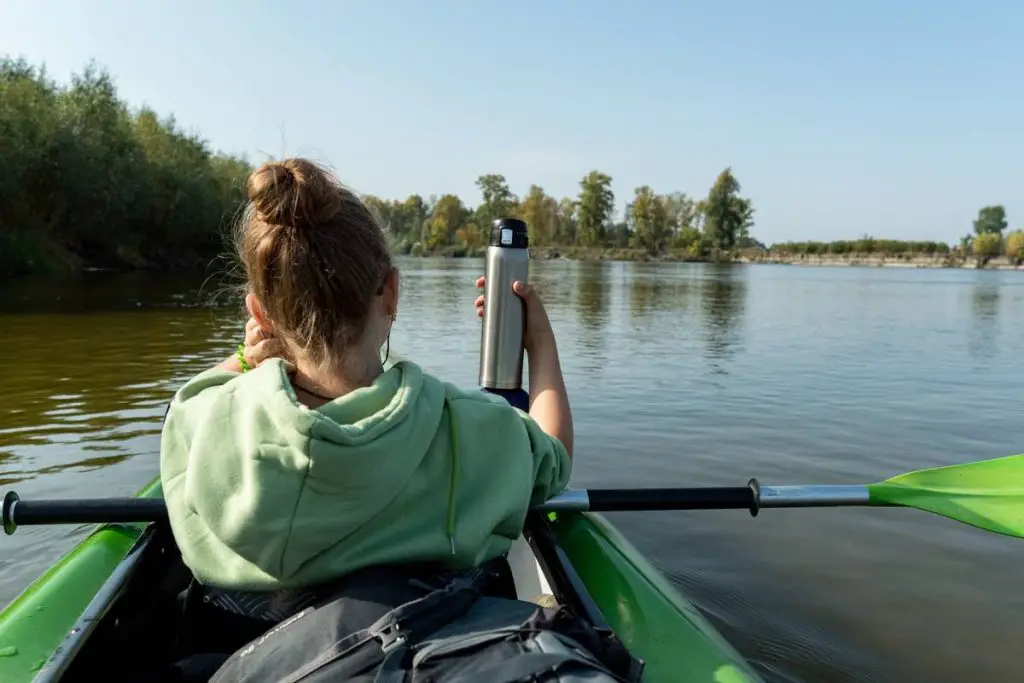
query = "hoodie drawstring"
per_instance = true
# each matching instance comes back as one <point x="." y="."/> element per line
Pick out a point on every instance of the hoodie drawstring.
<point x="453" y="485"/>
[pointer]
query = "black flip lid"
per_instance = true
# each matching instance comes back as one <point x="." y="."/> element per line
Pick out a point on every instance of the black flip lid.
<point x="509" y="233"/>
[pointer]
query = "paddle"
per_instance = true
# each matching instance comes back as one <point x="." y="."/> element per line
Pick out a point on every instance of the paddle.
<point x="988" y="494"/>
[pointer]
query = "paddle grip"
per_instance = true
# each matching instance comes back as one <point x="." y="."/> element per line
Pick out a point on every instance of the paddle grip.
<point x="85" y="511"/>
<point x="720" y="498"/>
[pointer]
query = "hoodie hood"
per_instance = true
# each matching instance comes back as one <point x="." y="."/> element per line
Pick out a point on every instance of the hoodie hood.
<point x="279" y="483"/>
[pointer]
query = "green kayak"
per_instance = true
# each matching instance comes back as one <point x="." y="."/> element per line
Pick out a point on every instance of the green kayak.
<point x="110" y="608"/>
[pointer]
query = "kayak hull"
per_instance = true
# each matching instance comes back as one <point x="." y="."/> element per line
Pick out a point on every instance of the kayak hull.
<point x="36" y="624"/>
<point x="646" y="612"/>
<point x="579" y="557"/>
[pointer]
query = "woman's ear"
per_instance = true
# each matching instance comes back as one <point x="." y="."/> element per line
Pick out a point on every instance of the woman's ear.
<point x="256" y="311"/>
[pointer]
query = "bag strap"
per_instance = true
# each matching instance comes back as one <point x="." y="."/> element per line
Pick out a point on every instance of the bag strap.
<point x="526" y="666"/>
<point x="400" y="628"/>
<point x="521" y="667"/>
<point x="407" y="624"/>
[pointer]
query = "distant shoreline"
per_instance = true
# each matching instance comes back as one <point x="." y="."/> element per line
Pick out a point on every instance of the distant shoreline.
<point x="885" y="261"/>
<point x="755" y="257"/>
<point x="628" y="255"/>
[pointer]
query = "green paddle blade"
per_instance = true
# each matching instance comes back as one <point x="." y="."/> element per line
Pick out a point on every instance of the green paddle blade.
<point x="988" y="494"/>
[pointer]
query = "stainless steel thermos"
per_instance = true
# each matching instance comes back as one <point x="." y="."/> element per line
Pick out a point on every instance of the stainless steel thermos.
<point x="501" y="339"/>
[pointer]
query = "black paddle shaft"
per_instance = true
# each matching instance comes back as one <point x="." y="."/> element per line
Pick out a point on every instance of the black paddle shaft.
<point x="18" y="512"/>
<point x="717" y="498"/>
<point x="82" y="511"/>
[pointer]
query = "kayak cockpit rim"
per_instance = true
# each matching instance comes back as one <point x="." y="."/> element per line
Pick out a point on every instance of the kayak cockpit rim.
<point x="542" y="567"/>
<point x="112" y="589"/>
<point x="565" y="583"/>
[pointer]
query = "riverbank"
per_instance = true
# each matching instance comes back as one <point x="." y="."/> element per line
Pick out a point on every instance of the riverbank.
<point x="756" y="256"/>
<point x="73" y="266"/>
<point x="883" y="261"/>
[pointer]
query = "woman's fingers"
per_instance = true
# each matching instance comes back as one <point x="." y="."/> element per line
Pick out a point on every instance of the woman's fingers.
<point x="253" y="336"/>
<point x="268" y="348"/>
<point x="481" y="281"/>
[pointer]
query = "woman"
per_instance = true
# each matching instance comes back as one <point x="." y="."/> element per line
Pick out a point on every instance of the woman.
<point x="300" y="459"/>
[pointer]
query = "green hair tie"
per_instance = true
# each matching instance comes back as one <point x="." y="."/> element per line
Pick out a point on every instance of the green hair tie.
<point x="240" y="354"/>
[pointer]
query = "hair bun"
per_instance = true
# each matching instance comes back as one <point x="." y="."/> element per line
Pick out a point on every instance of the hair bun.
<point x="288" y="192"/>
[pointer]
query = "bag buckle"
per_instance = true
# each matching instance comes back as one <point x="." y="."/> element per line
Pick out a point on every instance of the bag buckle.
<point x="391" y="637"/>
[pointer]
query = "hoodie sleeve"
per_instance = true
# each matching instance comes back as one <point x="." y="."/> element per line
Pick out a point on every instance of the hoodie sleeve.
<point x="551" y="462"/>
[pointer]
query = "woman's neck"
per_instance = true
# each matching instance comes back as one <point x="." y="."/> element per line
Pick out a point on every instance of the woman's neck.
<point x="329" y="385"/>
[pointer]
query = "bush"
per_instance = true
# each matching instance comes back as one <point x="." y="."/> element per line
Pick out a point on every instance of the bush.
<point x="1015" y="246"/>
<point x="85" y="180"/>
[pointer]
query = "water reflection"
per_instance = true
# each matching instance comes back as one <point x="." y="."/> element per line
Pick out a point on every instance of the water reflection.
<point x="99" y="381"/>
<point x="593" y="299"/>
<point x="447" y="284"/>
<point x="985" y="312"/>
<point x="662" y="297"/>
<point x="723" y="303"/>
<point x="105" y="291"/>
<point x="656" y="290"/>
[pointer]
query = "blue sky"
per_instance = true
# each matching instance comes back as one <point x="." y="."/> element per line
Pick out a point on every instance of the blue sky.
<point x="896" y="118"/>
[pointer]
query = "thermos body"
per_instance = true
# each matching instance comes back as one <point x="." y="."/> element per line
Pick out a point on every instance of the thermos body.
<point x="501" y="340"/>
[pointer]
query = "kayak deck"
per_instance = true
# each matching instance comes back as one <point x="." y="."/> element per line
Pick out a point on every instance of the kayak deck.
<point x="110" y="609"/>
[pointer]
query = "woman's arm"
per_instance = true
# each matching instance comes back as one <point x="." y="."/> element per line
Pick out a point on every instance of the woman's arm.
<point x="549" y="400"/>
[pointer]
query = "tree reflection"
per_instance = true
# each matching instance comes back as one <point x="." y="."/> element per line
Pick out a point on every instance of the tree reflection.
<point x="723" y="298"/>
<point x="97" y="378"/>
<point x="593" y="286"/>
<point x="985" y="310"/>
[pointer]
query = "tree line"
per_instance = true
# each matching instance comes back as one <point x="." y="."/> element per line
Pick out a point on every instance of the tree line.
<point x="84" y="180"/>
<point x="87" y="180"/>
<point x="986" y="242"/>
<point x="651" y="223"/>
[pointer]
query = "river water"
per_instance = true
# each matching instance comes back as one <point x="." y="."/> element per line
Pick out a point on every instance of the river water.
<point x="683" y="374"/>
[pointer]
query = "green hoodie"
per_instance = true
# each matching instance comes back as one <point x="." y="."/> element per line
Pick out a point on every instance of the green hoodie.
<point x="266" y="493"/>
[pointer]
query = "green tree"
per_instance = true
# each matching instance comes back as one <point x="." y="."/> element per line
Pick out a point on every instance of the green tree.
<point x="727" y="216"/>
<point x="682" y="212"/>
<point x="413" y="216"/>
<point x="540" y="212"/>
<point x="1015" y="246"/>
<point x="594" y="209"/>
<point x="449" y="215"/>
<point x="86" y="180"/>
<point x="986" y="245"/>
<point x="649" y="221"/>
<point x="498" y="200"/>
<point x="565" y="232"/>
<point x="991" y="219"/>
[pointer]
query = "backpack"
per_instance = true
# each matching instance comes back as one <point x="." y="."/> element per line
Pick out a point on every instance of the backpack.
<point x="452" y="633"/>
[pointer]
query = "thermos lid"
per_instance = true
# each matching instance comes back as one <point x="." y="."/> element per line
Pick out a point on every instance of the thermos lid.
<point x="509" y="233"/>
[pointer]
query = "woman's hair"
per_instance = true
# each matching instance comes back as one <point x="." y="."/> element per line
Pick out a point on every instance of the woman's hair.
<point x="313" y="254"/>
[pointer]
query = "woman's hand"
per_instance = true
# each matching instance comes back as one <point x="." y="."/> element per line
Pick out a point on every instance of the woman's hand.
<point x="259" y="346"/>
<point x="538" y="331"/>
<point x="549" y="401"/>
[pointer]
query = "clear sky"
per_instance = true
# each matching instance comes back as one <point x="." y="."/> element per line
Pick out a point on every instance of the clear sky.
<point x="896" y="118"/>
